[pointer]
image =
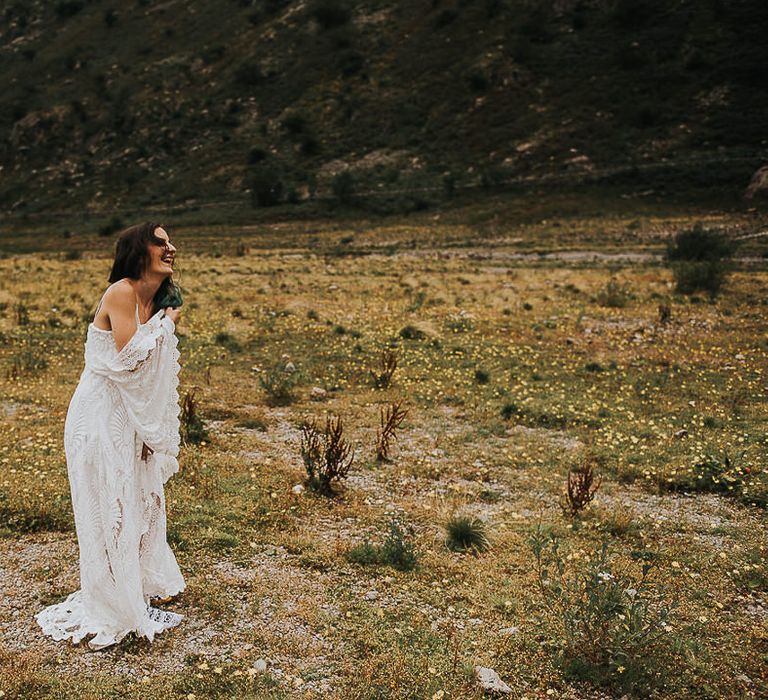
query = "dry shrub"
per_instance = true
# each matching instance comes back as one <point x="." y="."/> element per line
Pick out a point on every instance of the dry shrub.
<point x="390" y="420"/>
<point x="327" y="455"/>
<point x="581" y="486"/>
<point x="382" y="376"/>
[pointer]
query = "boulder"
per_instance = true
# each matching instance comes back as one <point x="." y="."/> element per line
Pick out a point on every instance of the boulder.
<point x="758" y="186"/>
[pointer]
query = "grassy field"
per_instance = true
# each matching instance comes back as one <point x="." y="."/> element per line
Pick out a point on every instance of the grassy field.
<point x="522" y="352"/>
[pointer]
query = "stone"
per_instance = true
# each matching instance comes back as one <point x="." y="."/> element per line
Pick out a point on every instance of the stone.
<point x="317" y="393"/>
<point x="290" y="367"/>
<point x="260" y="665"/>
<point x="298" y="489"/>
<point x="490" y="682"/>
<point x="680" y="434"/>
<point x="371" y="595"/>
<point x="510" y="631"/>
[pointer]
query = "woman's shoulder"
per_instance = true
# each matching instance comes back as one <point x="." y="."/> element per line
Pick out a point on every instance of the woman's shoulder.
<point x="121" y="291"/>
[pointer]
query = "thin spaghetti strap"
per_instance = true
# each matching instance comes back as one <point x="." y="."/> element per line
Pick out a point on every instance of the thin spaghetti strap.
<point x="99" y="306"/>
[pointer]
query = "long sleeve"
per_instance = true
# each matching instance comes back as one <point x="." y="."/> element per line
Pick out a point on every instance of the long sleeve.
<point x="145" y="372"/>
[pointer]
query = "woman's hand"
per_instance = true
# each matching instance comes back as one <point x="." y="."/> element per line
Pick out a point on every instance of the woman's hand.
<point x="146" y="450"/>
<point x="173" y="314"/>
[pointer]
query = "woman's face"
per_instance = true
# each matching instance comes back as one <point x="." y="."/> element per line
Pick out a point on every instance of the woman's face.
<point x="161" y="256"/>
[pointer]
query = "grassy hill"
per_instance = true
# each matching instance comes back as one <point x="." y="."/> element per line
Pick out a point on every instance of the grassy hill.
<point x="108" y="107"/>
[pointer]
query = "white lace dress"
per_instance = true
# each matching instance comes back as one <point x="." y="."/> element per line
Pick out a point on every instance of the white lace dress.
<point x="123" y="399"/>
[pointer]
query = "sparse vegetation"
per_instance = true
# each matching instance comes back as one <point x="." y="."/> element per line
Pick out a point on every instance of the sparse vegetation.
<point x="269" y="563"/>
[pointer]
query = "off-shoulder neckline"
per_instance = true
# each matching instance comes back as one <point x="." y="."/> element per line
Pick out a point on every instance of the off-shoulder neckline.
<point x="140" y="325"/>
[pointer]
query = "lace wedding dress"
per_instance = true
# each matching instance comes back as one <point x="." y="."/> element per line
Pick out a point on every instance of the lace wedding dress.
<point x="123" y="399"/>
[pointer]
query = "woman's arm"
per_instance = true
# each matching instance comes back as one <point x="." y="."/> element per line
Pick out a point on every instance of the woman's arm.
<point x="120" y="305"/>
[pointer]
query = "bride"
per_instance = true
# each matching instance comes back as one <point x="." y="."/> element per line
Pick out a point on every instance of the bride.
<point x="121" y="440"/>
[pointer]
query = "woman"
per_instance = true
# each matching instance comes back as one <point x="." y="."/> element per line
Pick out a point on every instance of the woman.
<point x="121" y="439"/>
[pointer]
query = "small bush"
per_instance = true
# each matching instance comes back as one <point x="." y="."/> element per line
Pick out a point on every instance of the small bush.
<point x="327" y="455"/>
<point x="699" y="259"/>
<point x="411" y="332"/>
<point x="279" y="383"/>
<point x="382" y="377"/>
<point x="228" y="341"/>
<point x="350" y="63"/>
<point x="192" y="428"/>
<point x="482" y="376"/>
<point x="221" y="541"/>
<point x="510" y="410"/>
<point x="398" y="549"/>
<point x="256" y="155"/>
<point x="621" y="522"/>
<point x="614" y="295"/>
<point x="707" y="276"/>
<point x="464" y="534"/>
<point x="391" y="419"/>
<point x="580" y="487"/>
<point x="613" y="626"/>
<point x="365" y="553"/>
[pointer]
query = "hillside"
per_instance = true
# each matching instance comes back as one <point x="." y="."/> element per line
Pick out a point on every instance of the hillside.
<point x="107" y="106"/>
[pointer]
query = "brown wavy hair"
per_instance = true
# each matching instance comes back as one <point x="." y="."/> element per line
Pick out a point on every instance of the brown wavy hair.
<point x="132" y="259"/>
